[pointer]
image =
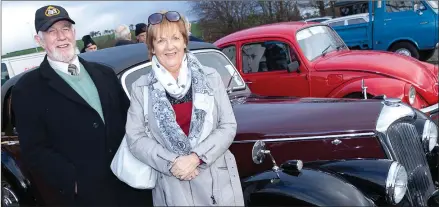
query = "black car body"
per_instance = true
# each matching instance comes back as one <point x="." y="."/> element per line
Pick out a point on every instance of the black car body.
<point x="332" y="152"/>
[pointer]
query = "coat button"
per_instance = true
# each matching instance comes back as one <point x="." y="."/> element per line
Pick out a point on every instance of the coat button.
<point x="110" y="150"/>
<point x="95" y="125"/>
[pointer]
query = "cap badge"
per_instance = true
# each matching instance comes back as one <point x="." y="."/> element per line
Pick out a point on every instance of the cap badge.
<point x="51" y="11"/>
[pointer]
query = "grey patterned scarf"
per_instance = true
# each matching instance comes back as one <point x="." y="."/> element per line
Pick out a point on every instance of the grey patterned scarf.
<point x="203" y="103"/>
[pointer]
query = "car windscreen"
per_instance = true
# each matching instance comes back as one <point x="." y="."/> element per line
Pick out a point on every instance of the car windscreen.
<point x="433" y="4"/>
<point x="209" y="58"/>
<point x="316" y="40"/>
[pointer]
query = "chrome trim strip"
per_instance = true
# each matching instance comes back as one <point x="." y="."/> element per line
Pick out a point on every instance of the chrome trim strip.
<point x="430" y="108"/>
<point x="131" y="70"/>
<point x="340" y="136"/>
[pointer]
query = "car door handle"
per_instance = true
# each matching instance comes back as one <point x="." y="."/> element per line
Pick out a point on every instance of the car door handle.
<point x="387" y="20"/>
<point x="423" y="23"/>
<point x="248" y="82"/>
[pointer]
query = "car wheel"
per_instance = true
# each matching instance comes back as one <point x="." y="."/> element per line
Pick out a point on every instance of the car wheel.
<point x="9" y="197"/>
<point x="425" y="55"/>
<point x="405" y="48"/>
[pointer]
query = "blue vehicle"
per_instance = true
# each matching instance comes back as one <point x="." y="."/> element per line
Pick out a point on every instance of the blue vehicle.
<point x="405" y="27"/>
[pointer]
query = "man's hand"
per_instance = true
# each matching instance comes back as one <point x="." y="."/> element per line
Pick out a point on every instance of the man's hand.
<point x="184" y="167"/>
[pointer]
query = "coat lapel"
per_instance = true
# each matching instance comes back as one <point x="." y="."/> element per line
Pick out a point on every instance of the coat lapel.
<point x="58" y="84"/>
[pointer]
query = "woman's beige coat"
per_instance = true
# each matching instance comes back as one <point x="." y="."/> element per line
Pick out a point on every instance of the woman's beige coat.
<point x="218" y="182"/>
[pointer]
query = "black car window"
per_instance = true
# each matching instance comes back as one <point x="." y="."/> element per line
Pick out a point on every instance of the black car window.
<point x="318" y="20"/>
<point x="398" y="6"/>
<point x="265" y="57"/>
<point x="5" y="74"/>
<point x="230" y="52"/>
<point x="210" y="59"/>
<point x="356" y="21"/>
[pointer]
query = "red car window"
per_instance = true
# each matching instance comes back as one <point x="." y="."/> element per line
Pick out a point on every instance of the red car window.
<point x="266" y="56"/>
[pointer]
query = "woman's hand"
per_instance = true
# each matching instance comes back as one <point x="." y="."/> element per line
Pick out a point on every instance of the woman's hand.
<point x="185" y="167"/>
<point x="192" y="175"/>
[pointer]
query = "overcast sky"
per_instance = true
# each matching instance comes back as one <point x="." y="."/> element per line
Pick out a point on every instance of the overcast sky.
<point x="18" y="17"/>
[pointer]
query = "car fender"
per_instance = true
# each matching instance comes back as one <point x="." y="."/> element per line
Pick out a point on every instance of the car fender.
<point x="402" y="39"/>
<point x="368" y="175"/>
<point x="12" y="174"/>
<point x="14" y="171"/>
<point x="308" y="187"/>
<point x="375" y="86"/>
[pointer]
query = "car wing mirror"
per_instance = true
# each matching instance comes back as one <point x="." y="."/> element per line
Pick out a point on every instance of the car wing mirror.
<point x="293" y="67"/>
<point x="258" y="154"/>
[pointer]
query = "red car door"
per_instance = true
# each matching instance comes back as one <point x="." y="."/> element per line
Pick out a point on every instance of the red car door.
<point x="263" y="64"/>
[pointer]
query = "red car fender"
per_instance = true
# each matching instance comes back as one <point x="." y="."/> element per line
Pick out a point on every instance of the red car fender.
<point x="375" y="86"/>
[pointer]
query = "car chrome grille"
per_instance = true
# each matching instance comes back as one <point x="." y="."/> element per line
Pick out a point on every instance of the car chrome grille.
<point x="408" y="150"/>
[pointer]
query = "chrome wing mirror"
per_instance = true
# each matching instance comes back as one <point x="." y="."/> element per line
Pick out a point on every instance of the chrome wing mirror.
<point x="258" y="154"/>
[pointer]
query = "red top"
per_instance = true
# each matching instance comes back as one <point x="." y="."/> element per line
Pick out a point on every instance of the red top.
<point x="183" y="114"/>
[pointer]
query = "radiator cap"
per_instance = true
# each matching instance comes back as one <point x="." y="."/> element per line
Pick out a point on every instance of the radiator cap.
<point x="392" y="101"/>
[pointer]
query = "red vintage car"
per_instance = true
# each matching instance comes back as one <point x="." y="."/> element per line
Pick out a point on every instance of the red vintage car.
<point x="310" y="60"/>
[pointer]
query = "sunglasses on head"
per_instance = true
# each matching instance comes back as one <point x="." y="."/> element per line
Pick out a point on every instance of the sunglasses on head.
<point x="157" y="18"/>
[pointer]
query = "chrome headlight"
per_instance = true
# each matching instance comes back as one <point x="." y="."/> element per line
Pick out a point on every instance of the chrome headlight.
<point x="412" y="95"/>
<point x="396" y="183"/>
<point x="429" y="135"/>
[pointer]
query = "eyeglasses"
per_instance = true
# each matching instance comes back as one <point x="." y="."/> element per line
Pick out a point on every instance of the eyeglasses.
<point x="157" y="18"/>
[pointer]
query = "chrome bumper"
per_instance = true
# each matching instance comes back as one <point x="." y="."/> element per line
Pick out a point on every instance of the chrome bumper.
<point x="431" y="109"/>
<point x="433" y="112"/>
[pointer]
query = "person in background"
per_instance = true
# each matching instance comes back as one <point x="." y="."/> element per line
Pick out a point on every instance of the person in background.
<point x="189" y="126"/>
<point x="189" y="28"/>
<point x="123" y="35"/>
<point x="70" y="116"/>
<point x="141" y="32"/>
<point x="89" y="44"/>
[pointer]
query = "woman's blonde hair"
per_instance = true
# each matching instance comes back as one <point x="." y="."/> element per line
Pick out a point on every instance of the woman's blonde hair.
<point x="154" y="30"/>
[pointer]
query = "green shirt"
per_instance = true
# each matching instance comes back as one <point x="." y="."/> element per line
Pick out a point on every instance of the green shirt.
<point x="85" y="87"/>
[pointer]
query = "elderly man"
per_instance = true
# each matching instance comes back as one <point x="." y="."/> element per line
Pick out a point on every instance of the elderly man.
<point x="89" y="44"/>
<point x="123" y="35"/>
<point x="141" y="32"/>
<point x="70" y="116"/>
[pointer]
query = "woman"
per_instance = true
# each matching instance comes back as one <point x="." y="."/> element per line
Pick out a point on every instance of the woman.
<point x="189" y="122"/>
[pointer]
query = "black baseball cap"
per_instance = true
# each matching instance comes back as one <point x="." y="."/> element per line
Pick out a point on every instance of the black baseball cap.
<point x="140" y="28"/>
<point x="88" y="40"/>
<point x="46" y="16"/>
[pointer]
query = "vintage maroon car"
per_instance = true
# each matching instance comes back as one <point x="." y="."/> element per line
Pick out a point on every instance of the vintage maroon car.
<point x="310" y="60"/>
<point x="317" y="151"/>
